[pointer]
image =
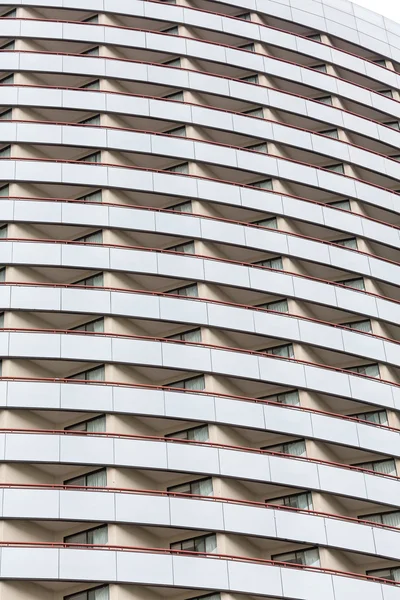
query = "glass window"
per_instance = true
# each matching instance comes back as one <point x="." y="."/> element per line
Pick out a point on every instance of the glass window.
<point x="91" y="85"/>
<point x="182" y="168"/>
<point x="270" y="223"/>
<point x="197" y="434"/>
<point x="201" y="487"/>
<point x="175" y="62"/>
<point x="389" y="518"/>
<point x="384" y="467"/>
<point x="177" y="131"/>
<point x="379" y="61"/>
<point x="176" y="96"/>
<point x="271" y="263"/>
<point x="277" y="306"/>
<point x="250" y="47"/>
<point x="325" y="100"/>
<point x="316" y="37"/>
<point x="6" y="115"/>
<point x="5" y="152"/>
<point x="96" y="326"/>
<point x="387" y="93"/>
<point x="171" y="30"/>
<point x="3" y="231"/>
<point x="8" y="46"/>
<point x="255" y="112"/>
<point x="265" y="184"/>
<point x="343" y="204"/>
<point x="92" y="281"/>
<point x="2" y="320"/>
<point x="97" y="535"/>
<point x="93" y="479"/>
<point x="92" y="238"/>
<point x="332" y="133"/>
<point x="92" y="197"/>
<point x="308" y="557"/>
<point x="9" y="80"/>
<point x="244" y="16"/>
<point x="92" y="19"/>
<point x="91" y="425"/>
<point x="203" y="543"/>
<point x="296" y="448"/>
<point x="364" y="326"/>
<point x="302" y="501"/>
<point x="186" y="248"/>
<point x="194" y="335"/>
<point x="285" y="350"/>
<point x="339" y="168"/>
<point x="2" y="274"/>
<point x="250" y="79"/>
<point x="320" y="67"/>
<point x="95" y="157"/>
<point x="95" y="120"/>
<point x="92" y="51"/>
<point x="187" y="290"/>
<point x="194" y="383"/>
<point x="4" y="191"/>
<point x="356" y="283"/>
<point x="183" y="207"/>
<point x="261" y="147"/>
<point x="347" y="243"/>
<point x="390" y="574"/>
<point x="290" y="398"/>
<point x="377" y="416"/>
<point x="98" y="593"/>
<point x="392" y="124"/>
<point x="369" y="370"/>
<point x="96" y="374"/>
<point x="11" y="14"/>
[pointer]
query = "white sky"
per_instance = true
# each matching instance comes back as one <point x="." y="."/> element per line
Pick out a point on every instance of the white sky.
<point x="388" y="8"/>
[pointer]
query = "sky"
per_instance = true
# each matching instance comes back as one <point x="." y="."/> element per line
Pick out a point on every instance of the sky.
<point x="388" y="8"/>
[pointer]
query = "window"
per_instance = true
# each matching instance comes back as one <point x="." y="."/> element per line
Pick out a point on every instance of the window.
<point x="308" y="557"/>
<point x="92" y="281"/>
<point x="250" y="47"/>
<point x="244" y="16"/>
<point x="303" y="501"/>
<point x="271" y="223"/>
<point x="391" y="574"/>
<point x="96" y="326"/>
<point x="9" y="80"/>
<point x="264" y="184"/>
<point x="250" y="79"/>
<point x="325" y="100"/>
<point x="343" y="204"/>
<point x="171" y="30"/>
<point x="97" y="535"/>
<point x="320" y="68"/>
<point x="364" y="326"/>
<point x="316" y="37"/>
<point x="356" y="284"/>
<point x="92" y="238"/>
<point x="93" y="479"/>
<point x="381" y="62"/>
<point x="2" y="320"/>
<point x="5" y="152"/>
<point x="2" y="274"/>
<point x="3" y="231"/>
<point x="384" y="467"/>
<point x="4" y="191"/>
<point x="187" y="336"/>
<point x="95" y="120"/>
<point x="277" y="306"/>
<point x="387" y="93"/>
<point x="347" y="243"/>
<point x="378" y="416"/>
<point x="8" y="46"/>
<point x="95" y="157"/>
<point x="389" y="518"/>
<point x="177" y="131"/>
<point x="193" y="383"/>
<point x="92" y="51"/>
<point x="392" y="124"/>
<point x="369" y="370"/>
<point x="187" y="291"/>
<point x="98" y="593"/>
<point x="91" y="85"/>
<point x="396" y="157"/>
<point x="272" y="263"/>
<point x="285" y="351"/>
<point x="332" y="133"/>
<point x="215" y="596"/>
<point x="91" y="425"/>
<point x="182" y="168"/>
<point x="175" y="62"/>
<point x="262" y="148"/>
<point x="201" y="487"/>
<point x="6" y="115"/>
<point x="92" y="19"/>
<point x="92" y="197"/>
<point x="182" y="207"/>
<point x="11" y="14"/>
<point x="176" y="96"/>
<point x="197" y="434"/>
<point x="186" y="248"/>
<point x="96" y="374"/>
<point x="296" y="448"/>
<point x="339" y="168"/>
<point x="289" y="398"/>
<point x="254" y="112"/>
<point x="203" y="543"/>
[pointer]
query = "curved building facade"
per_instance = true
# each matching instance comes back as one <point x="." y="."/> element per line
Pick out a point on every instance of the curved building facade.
<point x="199" y="297"/>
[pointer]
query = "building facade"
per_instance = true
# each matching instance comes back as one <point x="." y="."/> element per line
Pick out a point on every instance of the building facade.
<point x="199" y="296"/>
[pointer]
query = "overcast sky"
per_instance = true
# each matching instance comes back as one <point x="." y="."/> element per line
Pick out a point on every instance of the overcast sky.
<point x="388" y="8"/>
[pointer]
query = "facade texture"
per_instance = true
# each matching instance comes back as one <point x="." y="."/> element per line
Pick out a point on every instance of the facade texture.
<point x="200" y="307"/>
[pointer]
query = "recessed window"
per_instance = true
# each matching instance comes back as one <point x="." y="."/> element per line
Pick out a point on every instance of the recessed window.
<point x="347" y="243"/>
<point x="91" y="238"/>
<point x="2" y="274"/>
<point x="368" y="370"/>
<point x="186" y="248"/>
<point x="244" y="16"/>
<point x="95" y="157"/>
<point x="194" y="336"/>
<point x="97" y="593"/>
<point x="5" y="152"/>
<point x="96" y="535"/>
<point x="389" y="518"/>
<point x="379" y="417"/>
<point x="93" y="479"/>
<point x="9" y="80"/>
<point x="254" y="112"/>
<point x="357" y="283"/>
<point x="391" y="124"/>
<point x="387" y="93"/>
<point x="320" y="68"/>
<point x="186" y="290"/>
<point x="275" y="263"/>
<point x="3" y="231"/>
<point x="96" y="326"/>
<point x="92" y="19"/>
<point x="384" y="467"/>
<point x="302" y="501"/>
<point x="8" y="46"/>
<point x="392" y="574"/>
<point x="175" y="62"/>
<point x="97" y="424"/>
<point x="96" y="374"/>
<point x="171" y="30"/>
<point x="201" y="487"/>
<point x="284" y="350"/>
<point x="91" y="281"/>
<point x="270" y="223"/>
<point x="262" y="147"/>
<point x="92" y="51"/>
<point x="325" y="100"/>
<point x="182" y="168"/>
<point x="296" y="448"/>
<point x="176" y="96"/>
<point x="95" y="120"/>
<point x="264" y="184"/>
<point x="11" y="14"/>
<point x="196" y="434"/>
<point x="309" y="557"/>
<point x="343" y="204"/>
<point x="332" y="133"/>
<point x="337" y="168"/>
<point x="6" y="115"/>
<point x="250" y="78"/>
<point x="364" y="326"/>
<point x="276" y="306"/>
<point x="193" y="383"/>
<point x="92" y="197"/>
<point x="182" y="207"/>
<point x="250" y="47"/>
<point x="381" y="62"/>
<point x="4" y="191"/>
<point x="91" y="85"/>
<point x="203" y="543"/>
<point x="177" y="131"/>
<point x="316" y="37"/>
<point x="291" y="398"/>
